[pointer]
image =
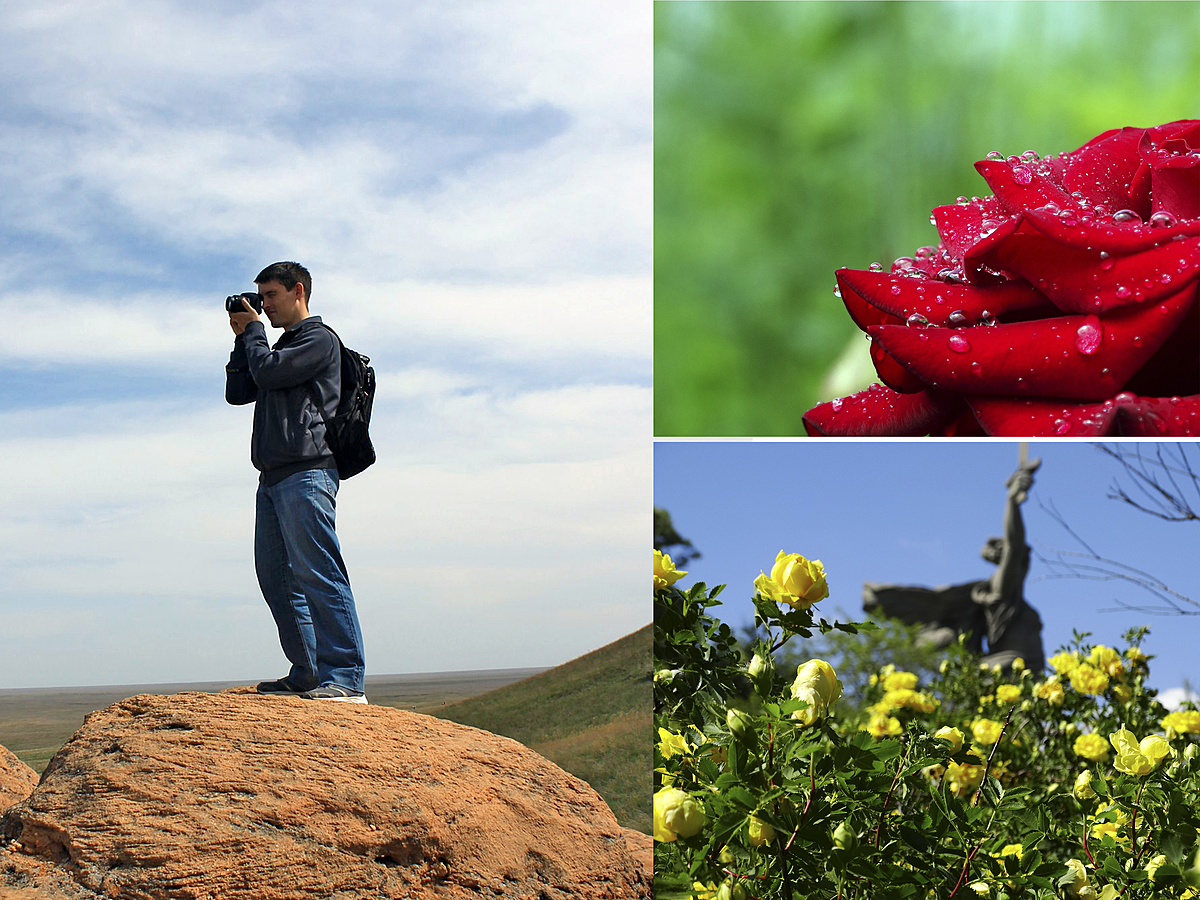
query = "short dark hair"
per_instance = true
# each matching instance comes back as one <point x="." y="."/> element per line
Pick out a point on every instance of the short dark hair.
<point x="288" y="274"/>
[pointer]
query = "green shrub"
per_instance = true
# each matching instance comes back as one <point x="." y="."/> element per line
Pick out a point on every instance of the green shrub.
<point x="978" y="783"/>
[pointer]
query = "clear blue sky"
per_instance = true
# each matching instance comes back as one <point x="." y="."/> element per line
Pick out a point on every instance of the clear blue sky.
<point x="470" y="184"/>
<point x="918" y="512"/>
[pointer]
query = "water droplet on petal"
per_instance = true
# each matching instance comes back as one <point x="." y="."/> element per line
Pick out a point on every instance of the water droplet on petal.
<point x="1163" y="219"/>
<point x="995" y="155"/>
<point x="1021" y="174"/>
<point x="1122" y="291"/>
<point x="976" y="369"/>
<point x="958" y="343"/>
<point x="1137" y="341"/>
<point x="876" y="267"/>
<point x="917" y="320"/>
<point x="958" y="318"/>
<point x="837" y="404"/>
<point x="895" y="290"/>
<point x="1089" y="336"/>
<point x="837" y="292"/>
<point x="1121" y="216"/>
<point x="1061" y="426"/>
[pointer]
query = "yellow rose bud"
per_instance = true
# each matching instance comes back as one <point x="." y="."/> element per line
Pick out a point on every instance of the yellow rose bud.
<point x="953" y="735"/>
<point x="677" y="815"/>
<point x="818" y="686"/>
<point x="665" y="573"/>
<point x="844" y="837"/>
<point x="794" y="580"/>
<point x="1078" y="878"/>
<point x="1018" y="664"/>
<point x="759" y="832"/>
<point x="1122" y="692"/>
<point x="1083" y="786"/>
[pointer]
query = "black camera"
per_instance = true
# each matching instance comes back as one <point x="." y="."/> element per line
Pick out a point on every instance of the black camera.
<point x="234" y="304"/>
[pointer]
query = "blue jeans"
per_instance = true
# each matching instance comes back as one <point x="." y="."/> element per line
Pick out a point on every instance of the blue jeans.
<point x="304" y="581"/>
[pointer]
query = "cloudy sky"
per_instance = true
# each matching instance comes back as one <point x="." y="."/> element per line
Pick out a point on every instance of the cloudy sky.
<point x="470" y="185"/>
<point x="918" y="512"/>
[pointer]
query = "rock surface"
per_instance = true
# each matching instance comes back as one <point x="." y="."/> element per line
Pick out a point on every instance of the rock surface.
<point x="17" y="780"/>
<point x="241" y="797"/>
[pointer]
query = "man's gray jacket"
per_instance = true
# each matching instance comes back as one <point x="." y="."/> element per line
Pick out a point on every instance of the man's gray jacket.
<point x="282" y="381"/>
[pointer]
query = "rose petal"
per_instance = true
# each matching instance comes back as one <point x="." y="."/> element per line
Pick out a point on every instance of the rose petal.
<point x="902" y="297"/>
<point x="881" y="411"/>
<point x="1103" y="168"/>
<point x="1081" y="280"/>
<point x="1100" y="234"/>
<point x="1175" y="187"/>
<point x="961" y="225"/>
<point x="1015" y="196"/>
<point x="1016" y="417"/>
<point x="1158" y="416"/>
<point x="1175" y="366"/>
<point x="1081" y="357"/>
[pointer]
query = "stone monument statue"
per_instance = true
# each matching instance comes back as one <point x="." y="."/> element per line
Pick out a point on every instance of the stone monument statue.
<point x="995" y="608"/>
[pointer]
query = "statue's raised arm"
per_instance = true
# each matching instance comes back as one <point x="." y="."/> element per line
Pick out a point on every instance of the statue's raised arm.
<point x="1013" y="627"/>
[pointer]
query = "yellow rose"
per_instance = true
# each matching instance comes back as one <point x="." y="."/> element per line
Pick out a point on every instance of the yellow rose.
<point x="962" y="778"/>
<point x="986" y="731"/>
<point x="676" y="815"/>
<point x="1064" y="663"/>
<point x="1012" y="850"/>
<point x="670" y="743"/>
<point x="1107" y="660"/>
<point x="953" y="735"/>
<point x="1118" y="830"/>
<point x="759" y="832"/>
<point x="1008" y="693"/>
<point x="665" y="573"/>
<point x="882" y="725"/>
<point x="1051" y="691"/>
<point x="1184" y="721"/>
<point x="794" y="580"/>
<point x="900" y="680"/>
<point x="1018" y="665"/>
<point x="905" y="698"/>
<point x="818" y="686"/>
<point x="1087" y="679"/>
<point x="1091" y="746"/>
<point x="1138" y="758"/>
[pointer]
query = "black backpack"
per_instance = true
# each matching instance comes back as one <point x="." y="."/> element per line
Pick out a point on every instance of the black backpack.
<point x="346" y="433"/>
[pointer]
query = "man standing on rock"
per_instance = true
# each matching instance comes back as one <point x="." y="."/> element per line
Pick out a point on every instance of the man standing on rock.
<point x="296" y="551"/>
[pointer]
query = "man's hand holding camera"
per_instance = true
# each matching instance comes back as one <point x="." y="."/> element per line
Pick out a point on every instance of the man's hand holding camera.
<point x="242" y="312"/>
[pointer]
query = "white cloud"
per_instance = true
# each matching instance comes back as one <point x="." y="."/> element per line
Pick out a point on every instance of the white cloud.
<point x="1174" y="698"/>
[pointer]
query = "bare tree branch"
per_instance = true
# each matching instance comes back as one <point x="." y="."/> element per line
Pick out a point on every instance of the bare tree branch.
<point x="1094" y="567"/>
<point x="1171" y="504"/>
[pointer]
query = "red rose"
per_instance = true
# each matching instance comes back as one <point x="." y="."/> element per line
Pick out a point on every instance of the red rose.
<point x="1065" y="304"/>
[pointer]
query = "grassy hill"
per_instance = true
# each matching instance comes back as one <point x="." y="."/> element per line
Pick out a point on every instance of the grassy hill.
<point x="592" y="716"/>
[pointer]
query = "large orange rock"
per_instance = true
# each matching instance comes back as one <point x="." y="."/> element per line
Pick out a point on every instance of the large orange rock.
<point x="17" y="780"/>
<point x="241" y="797"/>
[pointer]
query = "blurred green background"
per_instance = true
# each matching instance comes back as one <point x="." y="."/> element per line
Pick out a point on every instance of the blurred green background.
<point x="795" y="138"/>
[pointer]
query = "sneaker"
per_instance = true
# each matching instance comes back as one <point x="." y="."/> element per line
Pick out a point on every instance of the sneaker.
<point x="280" y="687"/>
<point x="335" y="692"/>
